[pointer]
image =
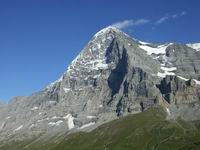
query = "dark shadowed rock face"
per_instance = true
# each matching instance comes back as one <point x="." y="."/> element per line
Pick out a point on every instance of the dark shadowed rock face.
<point x="118" y="74"/>
<point x="114" y="75"/>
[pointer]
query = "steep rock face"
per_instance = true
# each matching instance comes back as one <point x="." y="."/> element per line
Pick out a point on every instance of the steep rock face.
<point x="177" y="91"/>
<point x="182" y="96"/>
<point x="104" y="72"/>
<point x="112" y="76"/>
<point x="185" y="59"/>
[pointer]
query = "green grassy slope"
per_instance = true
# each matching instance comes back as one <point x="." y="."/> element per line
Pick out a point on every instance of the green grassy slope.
<point x="145" y="131"/>
<point x="148" y="130"/>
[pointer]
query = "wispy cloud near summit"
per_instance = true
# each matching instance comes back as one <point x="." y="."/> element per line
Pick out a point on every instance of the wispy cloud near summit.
<point x="169" y="17"/>
<point x="130" y="23"/>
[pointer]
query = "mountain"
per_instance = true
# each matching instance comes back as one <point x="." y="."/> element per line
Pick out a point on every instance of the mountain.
<point x="113" y="76"/>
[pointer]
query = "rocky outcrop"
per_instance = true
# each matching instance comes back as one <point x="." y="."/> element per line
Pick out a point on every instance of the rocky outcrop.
<point x="178" y="91"/>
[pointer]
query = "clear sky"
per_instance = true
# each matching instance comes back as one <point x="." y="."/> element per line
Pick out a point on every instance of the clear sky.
<point x="39" y="38"/>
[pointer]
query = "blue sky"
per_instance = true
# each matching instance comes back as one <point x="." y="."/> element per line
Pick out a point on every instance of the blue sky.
<point x="39" y="38"/>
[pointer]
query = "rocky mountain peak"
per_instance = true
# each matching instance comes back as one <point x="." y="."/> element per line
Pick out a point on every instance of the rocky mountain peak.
<point x="109" y="30"/>
<point x="93" y="57"/>
<point x="106" y="30"/>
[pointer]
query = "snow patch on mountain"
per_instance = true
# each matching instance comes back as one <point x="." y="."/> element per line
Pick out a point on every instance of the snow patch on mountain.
<point x="19" y="128"/>
<point x="197" y="81"/>
<point x="107" y="29"/>
<point x="155" y="50"/>
<point x="182" y="78"/>
<point x="8" y="117"/>
<point x="66" y="90"/>
<point x="34" y="108"/>
<point x="91" y="117"/>
<point x="70" y="121"/>
<point x="167" y="71"/>
<point x="144" y="43"/>
<point x="57" y="123"/>
<point x="168" y="111"/>
<point x="87" y="125"/>
<point x="195" y="46"/>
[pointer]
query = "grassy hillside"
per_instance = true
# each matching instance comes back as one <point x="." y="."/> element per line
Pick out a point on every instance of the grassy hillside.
<point x="145" y="131"/>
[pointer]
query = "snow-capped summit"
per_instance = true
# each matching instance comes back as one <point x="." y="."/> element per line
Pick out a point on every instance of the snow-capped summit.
<point x="106" y="30"/>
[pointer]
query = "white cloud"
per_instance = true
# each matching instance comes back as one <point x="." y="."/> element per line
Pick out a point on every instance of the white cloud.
<point x="183" y="13"/>
<point x="163" y="19"/>
<point x="130" y="23"/>
<point x="169" y="17"/>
